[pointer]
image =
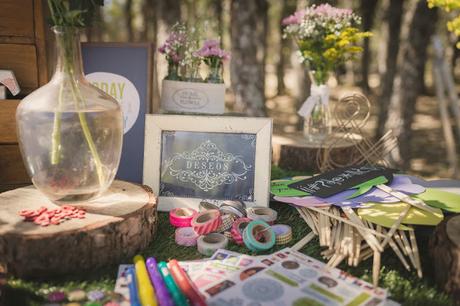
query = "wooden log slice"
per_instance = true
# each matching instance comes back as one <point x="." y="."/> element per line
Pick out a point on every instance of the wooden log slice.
<point x="118" y="224"/>
<point x="445" y="253"/>
<point x="294" y="152"/>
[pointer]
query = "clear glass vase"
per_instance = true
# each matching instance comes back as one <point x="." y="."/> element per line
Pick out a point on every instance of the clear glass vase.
<point x="215" y="73"/>
<point x="70" y="132"/>
<point x="317" y="121"/>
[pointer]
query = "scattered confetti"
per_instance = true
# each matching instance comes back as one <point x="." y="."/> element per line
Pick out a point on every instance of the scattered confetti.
<point x="44" y="216"/>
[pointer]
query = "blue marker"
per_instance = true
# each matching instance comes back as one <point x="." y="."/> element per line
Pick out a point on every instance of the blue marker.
<point x="133" y="295"/>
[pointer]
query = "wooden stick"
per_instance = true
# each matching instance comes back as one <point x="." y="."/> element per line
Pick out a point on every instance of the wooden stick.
<point x="413" y="241"/>
<point x="408" y="248"/>
<point x="346" y="221"/>
<point x="395" y="248"/>
<point x="400" y="243"/>
<point x="406" y="199"/>
<point x="370" y="239"/>
<point x="304" y="241"/>
<point x="307" y="220"/>
<point x="376" y="268"/>
<point x="395" y="225"/>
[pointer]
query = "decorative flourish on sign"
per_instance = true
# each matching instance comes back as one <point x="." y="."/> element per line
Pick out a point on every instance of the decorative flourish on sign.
<point x="207" y="167"/>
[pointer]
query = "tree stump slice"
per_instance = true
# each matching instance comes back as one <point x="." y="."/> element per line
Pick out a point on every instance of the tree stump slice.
<point x="118" y="224"/>
<point x="445" y="252"/>
<point x="294" y="152"/>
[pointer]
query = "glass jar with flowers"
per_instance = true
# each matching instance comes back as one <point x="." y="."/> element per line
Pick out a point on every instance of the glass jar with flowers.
<point x="70" y="132"/>
<point x="326" y="37"/>
<point x="213" y="56"/>
<point x="174" y="50"/>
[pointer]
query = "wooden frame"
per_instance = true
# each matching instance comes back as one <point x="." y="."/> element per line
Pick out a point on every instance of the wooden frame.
<point x="156" y="124"/>
<point x="150" y="54"/>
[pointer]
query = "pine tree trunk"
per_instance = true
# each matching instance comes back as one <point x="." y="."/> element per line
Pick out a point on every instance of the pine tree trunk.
<point x="217" y="7"/>
<point x="368" y="10"/>
<point x="246" y="68"/>
<point x="392" y="31"/>
<point x="129" y="20"/>
<point x="288" y="7"/>
<point x="407" y="83"/>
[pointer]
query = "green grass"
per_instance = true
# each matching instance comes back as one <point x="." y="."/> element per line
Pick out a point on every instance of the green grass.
<point x="405" y="287"/>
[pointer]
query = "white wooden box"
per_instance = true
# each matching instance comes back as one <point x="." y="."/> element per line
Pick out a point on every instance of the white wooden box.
<point x="188" y="97"/>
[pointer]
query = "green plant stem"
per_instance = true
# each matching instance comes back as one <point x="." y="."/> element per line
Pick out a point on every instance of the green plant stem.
<point x="78" y="99"/>
<point x="56" y="135"/>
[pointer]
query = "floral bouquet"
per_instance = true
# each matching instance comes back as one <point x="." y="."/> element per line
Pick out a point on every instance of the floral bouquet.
<point x="184" y="56"/>
<point x="326" y="36"/>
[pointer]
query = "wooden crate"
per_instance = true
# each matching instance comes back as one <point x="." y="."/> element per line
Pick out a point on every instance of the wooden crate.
<point x="23" y="50"/>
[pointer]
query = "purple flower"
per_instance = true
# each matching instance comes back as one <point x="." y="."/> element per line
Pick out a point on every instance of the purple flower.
<point x="211" y="49"/>
<point x="328" y="10"/>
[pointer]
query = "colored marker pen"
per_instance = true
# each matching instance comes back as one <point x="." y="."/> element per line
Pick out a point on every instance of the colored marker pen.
<point x="178" y="297"/>
<point x="133" y="297"/>
<point x="159" y="285"/>
<point x="144" y="286"/>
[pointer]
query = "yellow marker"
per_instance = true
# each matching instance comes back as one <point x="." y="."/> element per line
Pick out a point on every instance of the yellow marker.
<point x="145" y="288"/>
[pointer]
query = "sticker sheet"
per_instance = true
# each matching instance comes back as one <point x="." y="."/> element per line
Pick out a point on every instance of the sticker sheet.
<point x="291" y="278"/>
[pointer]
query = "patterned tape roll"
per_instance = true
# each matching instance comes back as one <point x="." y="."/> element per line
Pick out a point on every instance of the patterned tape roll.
<point x="206" y="221"/>
<point x="228" y="235"/>
<point x="283" y="233"/>
<point x="236" y="208"/>
<point x="210" y="243"/>
<point x="258" y="236"/>
<point x="181" y="217"/>
<point x="206" y="205"/>
<point x="227" y="222"/>
<point x="238" y="228"/>
<point x="186" y="236"/>
<point x="262" y="213"/>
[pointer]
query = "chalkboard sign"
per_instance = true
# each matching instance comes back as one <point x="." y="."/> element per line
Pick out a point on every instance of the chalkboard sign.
<point x="208" y="165"/>
<point x="123" y="70"/>
<point x="188" y="159"/>
<point x="338" y="180"/>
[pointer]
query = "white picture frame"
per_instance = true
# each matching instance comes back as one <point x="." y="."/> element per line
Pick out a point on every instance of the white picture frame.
<point x="161" y="126"/>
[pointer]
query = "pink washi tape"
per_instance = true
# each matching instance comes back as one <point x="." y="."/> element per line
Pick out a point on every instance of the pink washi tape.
<point x="237" y="229"/>
<point x="181" y="217"/>
<point x="186" y="236"/>
<point x="207" y="221"/>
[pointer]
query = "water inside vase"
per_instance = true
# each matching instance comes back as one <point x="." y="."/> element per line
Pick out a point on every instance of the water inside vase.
<point x="60" y="161"/>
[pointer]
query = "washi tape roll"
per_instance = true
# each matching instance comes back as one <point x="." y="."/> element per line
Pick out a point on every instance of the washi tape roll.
<point x="229" y="235"/>
<point x="186" y="236"/>
<point x="158" y="284"/>
<point x="181" y="217"/>
<point x="227" y="222"/>
<point x="206" y="205"/>
<point x="236" y="208"/>
<point x="258" y="236"/>
<point x="237" y="229"/>
<point x="262" y="213"/>
<point x="185" y="284"/>
<point x="206" y="221"/>
<point x="283" y="233"/>
<point x="210" y="243"/>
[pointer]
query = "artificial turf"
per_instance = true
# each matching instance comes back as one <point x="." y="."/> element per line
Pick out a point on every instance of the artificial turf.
<point x="404" y="287"/>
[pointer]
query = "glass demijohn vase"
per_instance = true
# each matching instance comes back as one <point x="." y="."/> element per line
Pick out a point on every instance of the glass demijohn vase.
<point x="70" y="132"/>
<point x="317" y="120"/>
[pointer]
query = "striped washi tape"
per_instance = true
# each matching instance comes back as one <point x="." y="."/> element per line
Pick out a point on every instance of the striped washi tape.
<point x="207" y="221"/>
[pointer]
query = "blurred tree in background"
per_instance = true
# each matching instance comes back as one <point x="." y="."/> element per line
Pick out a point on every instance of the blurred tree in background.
<point x="265" y="76"/>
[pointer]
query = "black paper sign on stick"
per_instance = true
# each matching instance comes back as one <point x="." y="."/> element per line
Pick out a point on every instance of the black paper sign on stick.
<point x="332" y="182"/>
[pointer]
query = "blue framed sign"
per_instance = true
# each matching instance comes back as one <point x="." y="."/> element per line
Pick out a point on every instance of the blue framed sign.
<point x="124" y="71"/>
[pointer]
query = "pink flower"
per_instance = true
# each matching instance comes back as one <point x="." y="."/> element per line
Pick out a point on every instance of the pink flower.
<point x="328" y="10"/>
<point x="295" y="18"/>
<point x="211" y="49"/>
